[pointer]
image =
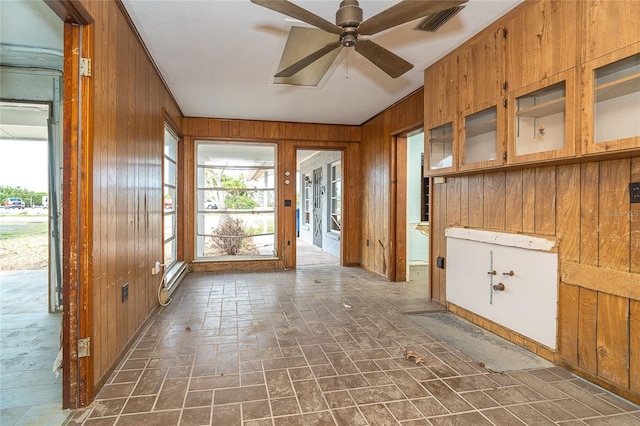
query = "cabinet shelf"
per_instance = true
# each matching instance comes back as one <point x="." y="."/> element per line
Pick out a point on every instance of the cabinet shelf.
<point x="544" y="109"/>
<point x="441" y="139"/>
<point x="621" y="87"/>
<point x="480" y="128"/>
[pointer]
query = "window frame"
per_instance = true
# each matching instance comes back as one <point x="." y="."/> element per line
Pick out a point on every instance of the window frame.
<point x="336" y="165"/>
<point x="203" y="192"/>
<point x="167" y="188"/>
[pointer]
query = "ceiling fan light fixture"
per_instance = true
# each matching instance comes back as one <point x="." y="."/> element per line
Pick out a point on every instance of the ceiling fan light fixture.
<point x="433" y="22"/>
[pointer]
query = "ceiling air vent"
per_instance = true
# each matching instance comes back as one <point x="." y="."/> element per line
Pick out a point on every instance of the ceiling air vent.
<point x="432" y="22"/>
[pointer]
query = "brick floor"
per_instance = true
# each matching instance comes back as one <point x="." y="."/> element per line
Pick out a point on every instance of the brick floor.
<point x="323" y="345"/>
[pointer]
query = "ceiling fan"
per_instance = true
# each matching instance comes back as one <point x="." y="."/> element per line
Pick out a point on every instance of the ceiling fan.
<point x="349" y="26"/>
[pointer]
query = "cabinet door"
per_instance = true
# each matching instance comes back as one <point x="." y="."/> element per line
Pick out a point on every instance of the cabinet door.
<point x="609" y="26"/>
<point x="441" y="90"/>
<point x="440" y="147"/>
<point x="542" y="119"/>
<point x="481" y="69"/>
<point x="611" y="102"/>
<point x="482" y="136"/>
<point x="541" y="41"/>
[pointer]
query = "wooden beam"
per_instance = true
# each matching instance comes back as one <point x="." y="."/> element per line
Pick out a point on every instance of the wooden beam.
<point x="618" y="283"/>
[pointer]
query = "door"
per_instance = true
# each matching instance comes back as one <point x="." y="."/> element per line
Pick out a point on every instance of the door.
<point x="318" y="192"/>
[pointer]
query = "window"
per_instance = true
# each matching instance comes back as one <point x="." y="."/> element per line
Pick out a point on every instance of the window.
<point x="335" y="224"/>
<point x="170" y="186"/>
<point x="307" y="199"/>
<point x="235" y="196"/>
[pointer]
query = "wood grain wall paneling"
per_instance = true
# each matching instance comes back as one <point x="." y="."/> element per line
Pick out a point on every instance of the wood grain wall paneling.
<point x="634" y="221"/>
<point x="545" y="201"/>
<point x="634" y="345"/>
<point x="614" y="216"/>
<point x="476" y="201"/>
<point x="495" y="201"/>
<point x="568" y="322"/>
<point x="528" y="200"/>
<point x="613" y="339"/>
<point x="129" y="101"/>
<point x="587" y="321"/>
<point x="568" y="212"/>
<point x="589" y="212"/>
<point x="514" y="201"/>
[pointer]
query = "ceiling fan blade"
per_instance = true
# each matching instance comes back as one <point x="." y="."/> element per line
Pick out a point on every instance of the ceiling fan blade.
<point x="308" y="60"/>
<point x="387" y="61"/>
<point x="293" y="10"/>
<point x="405" y="11"/>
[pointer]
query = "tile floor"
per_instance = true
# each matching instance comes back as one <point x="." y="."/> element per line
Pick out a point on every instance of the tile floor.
<point x="323" y="345"/>
<point x="29" y="341"/>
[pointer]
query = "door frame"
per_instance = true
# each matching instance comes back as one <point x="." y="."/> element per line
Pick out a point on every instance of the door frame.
<point x="77" y="219"/>
<point x="398" y="200"/>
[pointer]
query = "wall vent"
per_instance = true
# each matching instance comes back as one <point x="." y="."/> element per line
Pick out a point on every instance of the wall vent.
<point x="432" y="22"/>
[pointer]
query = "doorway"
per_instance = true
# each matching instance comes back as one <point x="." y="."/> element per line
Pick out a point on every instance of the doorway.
<point x="319" y="207"/>
<point x="417" y="209"/>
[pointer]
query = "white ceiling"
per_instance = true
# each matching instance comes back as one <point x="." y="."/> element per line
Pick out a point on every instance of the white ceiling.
<point x="218" y="58"/>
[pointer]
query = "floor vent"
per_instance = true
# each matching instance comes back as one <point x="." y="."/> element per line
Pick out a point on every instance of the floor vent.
<point x="432" y="22"/>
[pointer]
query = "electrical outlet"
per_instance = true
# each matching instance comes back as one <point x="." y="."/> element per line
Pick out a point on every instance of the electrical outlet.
<point x="125" y="292"/>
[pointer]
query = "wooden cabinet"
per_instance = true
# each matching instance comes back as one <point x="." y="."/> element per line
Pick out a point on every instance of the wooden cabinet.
<point x="482" y="136"/>
<point x="441" y="148"/>
<point x="541" y="41"/>
<point x="608" y="26"/>
<point x="611" y="102"/>
<point x="441" y="90"/>
<point x="542" y="119"/>
<point x="481" y="69"/>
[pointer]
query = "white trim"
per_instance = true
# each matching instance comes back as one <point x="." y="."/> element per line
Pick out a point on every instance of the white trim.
<point x="501" y="238"/>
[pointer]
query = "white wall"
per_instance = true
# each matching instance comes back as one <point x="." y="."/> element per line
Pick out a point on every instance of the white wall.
<point x="417" y="242"/>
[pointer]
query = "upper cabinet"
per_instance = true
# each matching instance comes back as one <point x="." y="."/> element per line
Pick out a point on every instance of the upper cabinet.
<point x="441" y="90"/>
<point x="481" y="69"/>
<point x="611" y="102"/>
<point x="551" y="80"/>
<point x="608" y="26"/>
<point x="541" y="41"/>
<point x="440" y="110"/>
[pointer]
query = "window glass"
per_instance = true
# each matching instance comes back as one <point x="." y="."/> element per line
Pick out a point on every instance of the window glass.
<point x="170" y="188"/>
<point x="235" y="196"/>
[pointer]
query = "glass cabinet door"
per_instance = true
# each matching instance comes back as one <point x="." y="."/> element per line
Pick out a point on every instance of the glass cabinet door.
<point x="542" y="120"/>
<point x="482" y="136"/>
<point x="441" y="148"/>
<point x="611" y="113"/>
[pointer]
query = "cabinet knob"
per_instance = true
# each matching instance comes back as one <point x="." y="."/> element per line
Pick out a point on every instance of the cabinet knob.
<point x="498" y="287"/>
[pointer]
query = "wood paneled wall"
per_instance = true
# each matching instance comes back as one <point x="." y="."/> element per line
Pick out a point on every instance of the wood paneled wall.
<point x="130" y="101"/>
<point x="289" y="137"/>
<point x="378" y="244"/>
<point x="586" y="208"/>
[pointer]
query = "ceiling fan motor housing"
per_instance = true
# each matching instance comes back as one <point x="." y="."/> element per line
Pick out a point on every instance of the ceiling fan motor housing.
<point x="349" y="16"/>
